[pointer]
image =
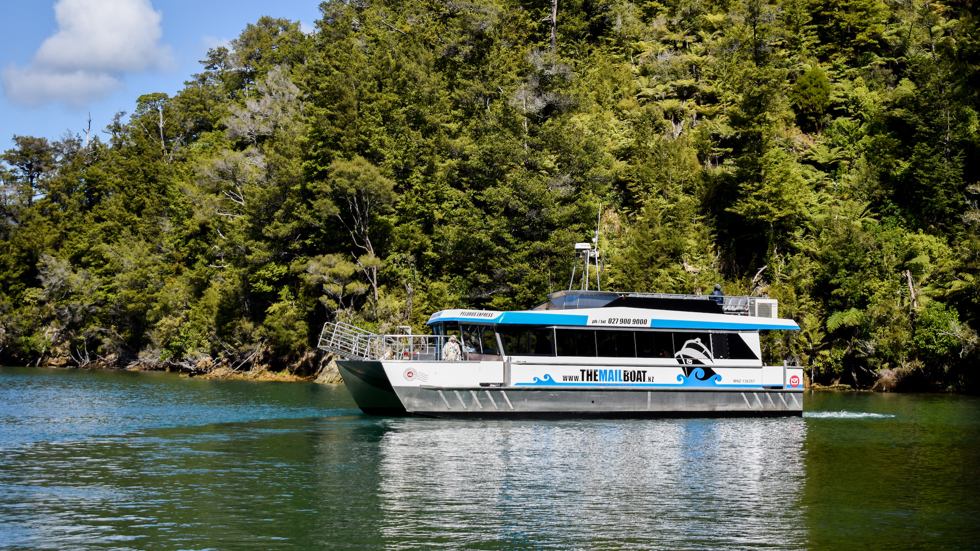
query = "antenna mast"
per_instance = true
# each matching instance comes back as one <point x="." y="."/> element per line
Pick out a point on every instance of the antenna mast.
<point x="595" y="242"/>
<point x="587" y="258"/>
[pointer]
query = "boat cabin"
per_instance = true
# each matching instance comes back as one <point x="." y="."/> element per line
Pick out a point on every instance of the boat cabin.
<point x="596" y="324"/>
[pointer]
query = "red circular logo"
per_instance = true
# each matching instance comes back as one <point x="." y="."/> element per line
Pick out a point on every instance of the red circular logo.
<point x="794" y="381"/>
<point x="410" y="374"/>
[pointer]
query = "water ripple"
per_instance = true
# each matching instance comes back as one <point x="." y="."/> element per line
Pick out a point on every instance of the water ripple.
<point x="845" y="415"/>
<point x="217" y="466"/>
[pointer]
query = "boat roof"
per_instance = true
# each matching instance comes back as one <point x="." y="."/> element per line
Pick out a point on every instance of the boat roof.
<point x="624" y="310"/>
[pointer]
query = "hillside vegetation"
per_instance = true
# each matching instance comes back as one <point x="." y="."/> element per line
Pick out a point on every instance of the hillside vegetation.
<point x="412" y="156"/>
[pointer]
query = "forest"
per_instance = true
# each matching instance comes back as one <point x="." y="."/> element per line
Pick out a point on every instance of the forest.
<point x="407" y="157"/>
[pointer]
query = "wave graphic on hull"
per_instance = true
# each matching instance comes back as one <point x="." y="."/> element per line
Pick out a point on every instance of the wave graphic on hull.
<point x="698" y="378"/>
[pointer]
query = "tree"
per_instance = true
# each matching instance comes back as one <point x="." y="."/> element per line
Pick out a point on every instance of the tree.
<point x="274" y="106"/>
<point x="334" y="276"/>
<point x="8" y="202"/>
<point x="261" y="46"/>
<point x="33" y="160"/>
<point x="778" y="199"/>
<point x="367" y="194"/>
<point x="811" y="97"/>
<point x="848" y="28"/>
<point x="414" y="156"/>
<point x="161" y="123"/>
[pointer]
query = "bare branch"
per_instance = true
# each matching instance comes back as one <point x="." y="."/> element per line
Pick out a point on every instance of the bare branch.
<point x="385" y="23"/>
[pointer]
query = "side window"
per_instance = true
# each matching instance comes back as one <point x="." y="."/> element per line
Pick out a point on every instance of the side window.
<point x="575" y="342"/>
<point x="625" y="344"/>
<point x="616" y="344"/>
<point x="542" y="342"/>
<point x="646" y="343"/>
<point x="471" y="339"/>
<point x="606" y="344"/>
<point x="654" y="344"/>
<point x="447" y="328"/>
<point x="719" y="346"/>
<point x="515" y="341"/>
<point x="522" y="341"/>
<point x="664" y="345"/>
<point x="565" y="342"/>
<point x="479" y="339"/>
<point x="489" y="341"/>
<point x="737" y="348"/>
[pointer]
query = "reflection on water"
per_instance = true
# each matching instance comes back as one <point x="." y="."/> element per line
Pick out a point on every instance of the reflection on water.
<point x="599" y="485"/>
<point x="50" y="404"/>
<point x="225" y="466"/>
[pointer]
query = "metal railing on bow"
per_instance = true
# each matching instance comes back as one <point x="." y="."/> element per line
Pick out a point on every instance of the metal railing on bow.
<point x="354" y="343"/>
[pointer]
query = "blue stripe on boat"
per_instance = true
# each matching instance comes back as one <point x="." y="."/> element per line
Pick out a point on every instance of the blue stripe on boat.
<point x="573" y="320"/>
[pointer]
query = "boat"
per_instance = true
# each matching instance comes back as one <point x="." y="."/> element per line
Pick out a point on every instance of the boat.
<point x="581" y="353"/>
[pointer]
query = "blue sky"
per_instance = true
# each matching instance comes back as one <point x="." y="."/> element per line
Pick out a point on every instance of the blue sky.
<point x="62" y="59"/>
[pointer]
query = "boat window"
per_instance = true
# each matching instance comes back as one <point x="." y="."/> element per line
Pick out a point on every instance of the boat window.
<point x="575" y="342"/>
<point x="478" y="339"/>
<point x="719" y="346"/>
<point x="514" y="340"/>
<point x="542" y="342"/>
<point x="692" y="345"/>
<point x="523" y="341"/>
<point x="738" y="349"/>
<point x="489" y="341"/>
<point x="615" y="344"/>
<point x="653" y="344"/>
<point x="446" y="328"/>
<point x="479" y="342"/>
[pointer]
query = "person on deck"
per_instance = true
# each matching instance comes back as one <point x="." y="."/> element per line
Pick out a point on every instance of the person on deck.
<point x="451" y="352"/>
<point x="718" y="295"/>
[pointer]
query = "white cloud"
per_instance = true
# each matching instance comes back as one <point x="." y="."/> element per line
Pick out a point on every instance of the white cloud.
<point x="98" y="41"/>
<point x="35" y="87"/>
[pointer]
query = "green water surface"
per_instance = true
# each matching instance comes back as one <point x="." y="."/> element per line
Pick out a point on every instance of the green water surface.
<point x="115" y="460"/>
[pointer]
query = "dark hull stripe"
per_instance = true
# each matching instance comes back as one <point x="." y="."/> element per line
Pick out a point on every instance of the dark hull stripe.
<point x="603" y="415"/>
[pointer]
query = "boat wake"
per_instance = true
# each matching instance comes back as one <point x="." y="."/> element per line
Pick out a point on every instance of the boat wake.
<point x="845" y="415"/>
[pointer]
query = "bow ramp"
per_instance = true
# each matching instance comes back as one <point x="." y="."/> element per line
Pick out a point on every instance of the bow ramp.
<point x="352" y="343"/>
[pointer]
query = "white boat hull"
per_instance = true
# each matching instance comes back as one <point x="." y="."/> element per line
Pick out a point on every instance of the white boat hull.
<point x="493" y="390"/>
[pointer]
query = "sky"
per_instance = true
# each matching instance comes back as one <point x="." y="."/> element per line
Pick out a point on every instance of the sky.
<point x="61" y="60"/>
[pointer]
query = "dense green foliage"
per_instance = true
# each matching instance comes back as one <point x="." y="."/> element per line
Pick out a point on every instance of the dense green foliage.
<point x="413" y="156"/>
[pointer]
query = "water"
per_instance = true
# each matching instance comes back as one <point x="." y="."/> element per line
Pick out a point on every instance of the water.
<point x="109" y="460"/>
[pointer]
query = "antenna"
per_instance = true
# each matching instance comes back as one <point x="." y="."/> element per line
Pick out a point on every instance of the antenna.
<point x="598" y="221"/>
<point x="587" y="258"/>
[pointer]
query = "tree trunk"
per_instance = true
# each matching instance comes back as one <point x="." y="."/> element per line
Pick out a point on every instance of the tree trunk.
<point x="408" y="302"/>
<point x="908" y="277"/>
<point x="554" y="26"/>
<point x="163" y="143"/>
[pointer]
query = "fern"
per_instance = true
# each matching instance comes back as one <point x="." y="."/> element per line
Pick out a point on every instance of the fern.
<point x="846" y="318"/>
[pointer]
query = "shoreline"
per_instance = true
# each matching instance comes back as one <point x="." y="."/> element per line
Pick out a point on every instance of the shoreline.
<point x="323" y="371"/>
<point x="228" y="374"/>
